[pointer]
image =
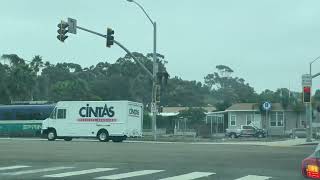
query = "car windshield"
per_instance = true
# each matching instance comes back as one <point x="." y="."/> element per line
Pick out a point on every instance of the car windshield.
<point x="166" y="90"/>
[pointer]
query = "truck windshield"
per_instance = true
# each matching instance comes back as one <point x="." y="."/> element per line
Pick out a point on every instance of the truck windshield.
<point x="53" y="114"/>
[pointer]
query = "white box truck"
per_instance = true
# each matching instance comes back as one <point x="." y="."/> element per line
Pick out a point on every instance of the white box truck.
<point x="105" y="120"/>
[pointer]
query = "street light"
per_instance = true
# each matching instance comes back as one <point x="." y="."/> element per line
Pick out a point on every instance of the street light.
<point x="155" y="71"/>
<point x="312" y="63"/>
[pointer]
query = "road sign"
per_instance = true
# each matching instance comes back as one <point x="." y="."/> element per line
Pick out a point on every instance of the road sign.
<point x="266" y="106"/>
<point x="306" y="80"/>
<point x="72" y="26"/>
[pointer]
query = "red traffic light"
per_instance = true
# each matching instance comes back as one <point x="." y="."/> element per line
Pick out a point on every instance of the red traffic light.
<point x="307" y="89"/>
<point x="307" y="94"/>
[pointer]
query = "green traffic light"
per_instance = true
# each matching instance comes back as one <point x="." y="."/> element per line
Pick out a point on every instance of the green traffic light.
<point x="110" y="37"/>
<point x="62" y="31"/>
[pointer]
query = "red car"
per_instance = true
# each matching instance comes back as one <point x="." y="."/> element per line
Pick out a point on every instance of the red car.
<point x="310" y="167"/>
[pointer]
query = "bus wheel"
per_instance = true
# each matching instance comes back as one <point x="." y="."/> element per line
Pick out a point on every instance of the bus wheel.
<point x="103" y="135"/>
<point x="51" y="135"/>
<point x="68" y="138"/>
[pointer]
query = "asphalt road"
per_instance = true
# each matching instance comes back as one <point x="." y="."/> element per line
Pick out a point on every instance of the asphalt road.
<point x="22" y="159"/>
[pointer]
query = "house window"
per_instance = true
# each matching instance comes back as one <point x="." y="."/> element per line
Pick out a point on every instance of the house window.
<point x="273" y="119"/>
<point x="276" y="119"/>
<point x="233" y="119"/>
<point x="280" y="118"/>
<point x="61" y="114"/>
<point x="249" y="119"/>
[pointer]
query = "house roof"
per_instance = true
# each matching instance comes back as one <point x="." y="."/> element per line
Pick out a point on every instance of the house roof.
<point x="178" y="109"/>
<point x="243" y="107"/>
<point x="256" y="107"/>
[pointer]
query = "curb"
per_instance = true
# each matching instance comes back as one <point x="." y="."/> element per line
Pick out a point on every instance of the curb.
<point x="306" y="144"/>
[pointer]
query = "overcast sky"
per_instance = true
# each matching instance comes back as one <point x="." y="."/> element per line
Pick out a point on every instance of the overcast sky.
<point x="269" y="43"/>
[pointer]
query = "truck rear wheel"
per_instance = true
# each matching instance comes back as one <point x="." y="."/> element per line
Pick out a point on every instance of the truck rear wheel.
<point x="51" y="135"/>
<point x="103" y="136"/>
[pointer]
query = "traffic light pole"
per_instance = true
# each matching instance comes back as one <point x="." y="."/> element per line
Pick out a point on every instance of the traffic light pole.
<point x="155" y="71"/>
<point x="309" y="112"/>
<point x="309" y="105"/>
<point x="93" y="32"/>
<point x="154" y="84"/>
<point x="135" y="59"/>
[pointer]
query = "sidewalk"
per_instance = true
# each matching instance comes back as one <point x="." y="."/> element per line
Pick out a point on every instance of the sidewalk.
<point x="280" y="143"/>
<point x="293" y="142"/>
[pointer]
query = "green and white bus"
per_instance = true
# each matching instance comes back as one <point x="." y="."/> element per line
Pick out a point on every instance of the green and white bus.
<point x="23" y="120"/>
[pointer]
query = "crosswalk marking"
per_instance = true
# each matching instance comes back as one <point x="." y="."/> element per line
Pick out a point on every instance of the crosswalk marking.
<point x="130" y="174"/>
<point x="12" y="167"/>
<point x="73" y="173"/>
<point x="253" y="177"/>
<point x="36" y="171"/>
<point x="190" y="176"/>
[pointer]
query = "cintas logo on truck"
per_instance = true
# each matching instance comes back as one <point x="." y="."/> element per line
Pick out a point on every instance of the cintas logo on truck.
<point x="97" y="111"/>
<point x="134" y="112"/>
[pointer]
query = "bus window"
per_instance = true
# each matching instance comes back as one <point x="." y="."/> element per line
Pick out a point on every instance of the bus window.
<point x="36" y="116"/>
<point x="7" y="115"/>
<point x="61" y="114"/>
<point x="21" y="115"/>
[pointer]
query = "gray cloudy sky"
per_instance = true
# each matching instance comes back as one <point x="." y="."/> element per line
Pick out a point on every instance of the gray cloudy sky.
<point x="267" y="42"/>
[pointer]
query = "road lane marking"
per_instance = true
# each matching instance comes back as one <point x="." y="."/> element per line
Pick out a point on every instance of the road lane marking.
<point x="190" y="176"/>
<point x="130" y="174"/>
<point x="74" y="173"/>
<point x="12" y="167"/>
<point x="36" y="171"/>
<point x="253" y="177"/>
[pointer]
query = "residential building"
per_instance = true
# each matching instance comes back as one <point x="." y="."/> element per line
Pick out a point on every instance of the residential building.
<point x="277" y="121"/>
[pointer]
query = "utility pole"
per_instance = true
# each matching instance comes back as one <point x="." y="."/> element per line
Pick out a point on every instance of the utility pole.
<point x="307" y="95"/>
<point x="155" y="87"/>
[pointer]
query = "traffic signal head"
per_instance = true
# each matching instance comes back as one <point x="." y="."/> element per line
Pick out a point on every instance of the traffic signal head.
<point x="165" y="78"/>
<point x="110" y="37"/>
<point x="307" y="94"/>
<point x="162" y="78"/>
<point x="62" y="31"/>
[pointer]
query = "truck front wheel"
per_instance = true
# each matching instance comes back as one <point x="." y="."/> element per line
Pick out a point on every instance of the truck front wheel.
<point x="51" y="135"/>
<point x="103" y="136"/>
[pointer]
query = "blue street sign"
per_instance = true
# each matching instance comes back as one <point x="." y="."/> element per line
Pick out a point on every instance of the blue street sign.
<point x="266" y="106"/>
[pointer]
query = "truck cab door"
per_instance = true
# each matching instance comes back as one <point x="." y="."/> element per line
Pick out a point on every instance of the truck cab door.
<point x="51" y="121"/>
<point x="61" y="124"/>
